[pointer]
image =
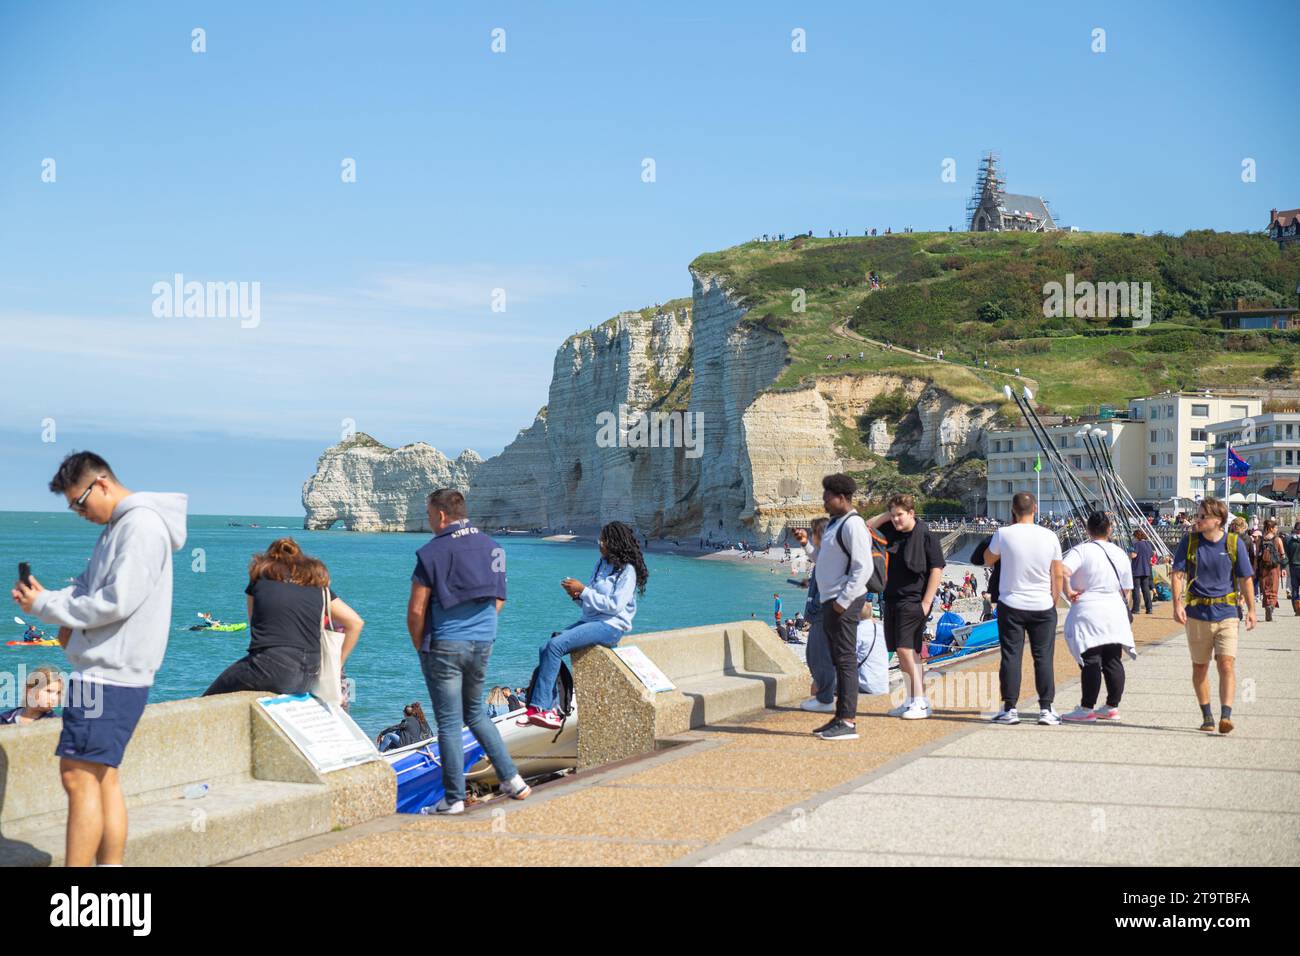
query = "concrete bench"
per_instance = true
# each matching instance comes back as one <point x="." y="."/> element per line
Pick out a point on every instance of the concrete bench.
<point x="720" y="671"/>
<point x="262" y="792"/>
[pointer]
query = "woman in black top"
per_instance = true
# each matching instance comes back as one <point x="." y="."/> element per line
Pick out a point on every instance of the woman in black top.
<point x="286" y="608"/>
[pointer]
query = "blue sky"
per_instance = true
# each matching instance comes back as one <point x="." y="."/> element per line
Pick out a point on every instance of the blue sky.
<point x="522" y="171"/>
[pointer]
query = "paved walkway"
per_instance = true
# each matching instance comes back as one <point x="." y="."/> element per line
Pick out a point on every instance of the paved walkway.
<point x="1152" y="790"/>
<point x="947" y="790"/>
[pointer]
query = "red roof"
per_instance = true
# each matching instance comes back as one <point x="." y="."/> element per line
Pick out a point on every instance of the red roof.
<point x="1286" y="217"/>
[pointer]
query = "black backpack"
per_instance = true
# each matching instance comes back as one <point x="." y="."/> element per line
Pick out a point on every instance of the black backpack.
<point x="563" y="689"/>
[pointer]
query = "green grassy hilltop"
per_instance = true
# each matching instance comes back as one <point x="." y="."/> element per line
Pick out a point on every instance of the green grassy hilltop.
<point x="979" y="297"/>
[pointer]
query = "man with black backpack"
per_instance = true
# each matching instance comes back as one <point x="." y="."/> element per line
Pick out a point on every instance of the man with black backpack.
<point x="844" y="574"/>
<point x="914" y="572"/>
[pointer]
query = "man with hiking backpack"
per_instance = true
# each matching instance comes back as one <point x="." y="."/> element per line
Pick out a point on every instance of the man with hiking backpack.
<point x="914" y="571"/>
<point x="845" y="571"/>
<point x="1211" y="570"/>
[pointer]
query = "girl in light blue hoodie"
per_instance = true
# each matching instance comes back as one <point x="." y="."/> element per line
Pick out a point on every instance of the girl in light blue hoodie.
<point x="608" y="605"/>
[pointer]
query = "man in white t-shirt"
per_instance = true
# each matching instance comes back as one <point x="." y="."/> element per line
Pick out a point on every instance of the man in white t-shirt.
<point x="1028" y="594"/>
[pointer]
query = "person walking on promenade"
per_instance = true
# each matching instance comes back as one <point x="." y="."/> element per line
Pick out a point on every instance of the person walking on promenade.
<point x="1293" y="564"/>
<point x="1140" y="555"/>
<point x="843" y="566"/>
<point x="1211" y="569"/>
<point x="608" y="604"/>
<point x="915" y="571"/>
<point x="457" y="591"/>
<point x="113" y="620"/>
<point x="1027" y="599"/>
<point x="1096" y="580"/>
<point x="820" y="664"/>
<point x="1271" y="560"/>
<point x="289" y="601"/>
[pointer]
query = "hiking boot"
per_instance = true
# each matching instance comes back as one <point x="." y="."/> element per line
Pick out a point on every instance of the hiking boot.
<point x="1080" y="715"/>
<point x="546" y="718"/>
<point x="839" y="730"/>
<point x="816" y="706"/>
<point x="1225" y="725"/>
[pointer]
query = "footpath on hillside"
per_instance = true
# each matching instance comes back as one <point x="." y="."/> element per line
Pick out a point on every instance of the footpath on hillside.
<point x="953" y="789"/>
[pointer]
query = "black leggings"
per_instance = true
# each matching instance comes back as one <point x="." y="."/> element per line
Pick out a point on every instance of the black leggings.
<point x="1104" y="660"/>
<point x="274" y="670"/>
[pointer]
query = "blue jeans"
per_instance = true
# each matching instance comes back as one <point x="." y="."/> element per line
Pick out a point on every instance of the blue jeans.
<point x="819" y="662"/>
<point x="455" y="672"/>
<point x="572" y="638"/>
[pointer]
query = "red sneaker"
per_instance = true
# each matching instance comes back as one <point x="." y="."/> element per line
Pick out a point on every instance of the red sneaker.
<point x="544" y="718"/>
<point x="527" y="718"/>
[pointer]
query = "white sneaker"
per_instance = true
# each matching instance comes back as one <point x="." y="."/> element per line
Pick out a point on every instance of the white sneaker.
<point x="902" y="708"/>
<point x="1006" y="717"/>
<point x="515" y="788"/>
<point x="1080" y="715"/>
<point x="1049" y="717"/>
<point x="815" y="705"/>
<point x="919" y="710"/>
<point x="443" y="807"/>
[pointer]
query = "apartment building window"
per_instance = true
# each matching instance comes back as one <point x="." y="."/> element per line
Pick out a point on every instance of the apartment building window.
<point x="1239" y="411"/>
<point x="1155" y="435"/>
<point x="1288" y="457"/>
<point x="1199" y="461"/>
<point x="1169" y="482"/>
<point x="1169" y="411"/>
<point x="1169" y="434"/>
<point x="1169" y="459"/>
<point x="1198" y="434"/>
<point x="1151" y="483"/>
<point x="1289" y="434"/>
<point x="1020" y="466"/>
<point x="1076" y="460"/>
<point x="1153" y="460"/>
<point x="1200" y="411"/>
<point x="1155" y="412"/>
<point x="1135" y="412"/>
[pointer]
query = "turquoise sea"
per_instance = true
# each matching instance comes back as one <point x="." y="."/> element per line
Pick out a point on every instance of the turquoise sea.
<point x="372" y="572"/>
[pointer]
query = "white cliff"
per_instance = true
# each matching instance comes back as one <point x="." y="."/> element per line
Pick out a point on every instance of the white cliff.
<point x="729" y="456"/>
<point x="370" y="487"/>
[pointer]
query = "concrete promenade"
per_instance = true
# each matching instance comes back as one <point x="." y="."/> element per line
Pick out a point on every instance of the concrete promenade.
<point x="949" y="790"/>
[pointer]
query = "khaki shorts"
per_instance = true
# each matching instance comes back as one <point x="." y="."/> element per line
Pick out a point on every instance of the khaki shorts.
<point x="1204" y="637"/>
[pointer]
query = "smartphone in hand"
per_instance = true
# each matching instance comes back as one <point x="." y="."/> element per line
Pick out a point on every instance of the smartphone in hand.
<point x="25" y="573"/>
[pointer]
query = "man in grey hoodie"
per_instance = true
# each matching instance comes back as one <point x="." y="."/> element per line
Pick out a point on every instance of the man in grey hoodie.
<point x="113" y="622"/>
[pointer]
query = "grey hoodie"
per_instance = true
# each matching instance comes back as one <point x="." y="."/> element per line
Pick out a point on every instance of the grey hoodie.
<point x="120" y="608"/>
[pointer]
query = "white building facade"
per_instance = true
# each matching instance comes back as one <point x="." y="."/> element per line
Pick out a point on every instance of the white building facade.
<point x="1160" y="451"/>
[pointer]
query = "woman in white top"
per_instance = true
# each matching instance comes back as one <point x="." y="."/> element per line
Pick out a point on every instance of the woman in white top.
<point x="1097" y="578"/>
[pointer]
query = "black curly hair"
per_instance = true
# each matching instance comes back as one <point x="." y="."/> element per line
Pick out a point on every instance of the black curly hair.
<point x="621" y="549"/>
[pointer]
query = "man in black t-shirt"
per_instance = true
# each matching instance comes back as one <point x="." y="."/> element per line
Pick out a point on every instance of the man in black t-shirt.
<point x="914" y="574"/>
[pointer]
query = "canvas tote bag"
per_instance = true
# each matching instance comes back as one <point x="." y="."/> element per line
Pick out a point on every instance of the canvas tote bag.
<point x="329" y="682"/>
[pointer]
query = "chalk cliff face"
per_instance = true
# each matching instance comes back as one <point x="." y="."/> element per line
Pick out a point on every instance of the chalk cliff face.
<point x="725" y="456"/>
<point x="370" y="487"/>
